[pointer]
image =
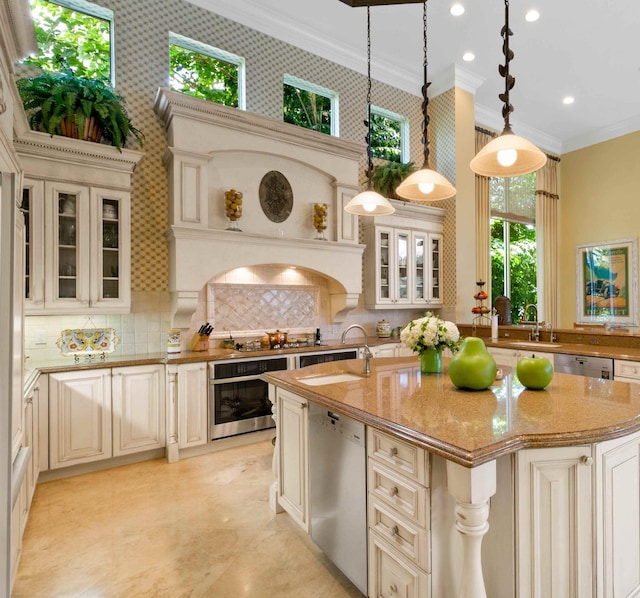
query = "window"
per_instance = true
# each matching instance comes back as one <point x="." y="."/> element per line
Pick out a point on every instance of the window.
<point x="73" y="35"/>
<point x="310" y="106"/>
<point x="513" y="241"/>
<point x="205" y="72"/>
<point x="389" y="135"/>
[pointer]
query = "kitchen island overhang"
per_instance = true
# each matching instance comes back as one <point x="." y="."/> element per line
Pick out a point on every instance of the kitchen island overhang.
<point x="474" y="432"/>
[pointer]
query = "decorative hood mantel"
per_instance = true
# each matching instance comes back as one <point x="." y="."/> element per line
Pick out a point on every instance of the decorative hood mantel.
<point x="214" y="148"/>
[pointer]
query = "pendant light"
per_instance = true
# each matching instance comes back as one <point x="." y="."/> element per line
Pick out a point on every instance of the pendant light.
<point x="508" y="154"/>
<point x="425" y="184"/>
<point x="369" y="202"/>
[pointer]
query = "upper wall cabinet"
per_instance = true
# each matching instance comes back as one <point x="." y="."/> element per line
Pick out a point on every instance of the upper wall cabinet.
<point x="76" y="203"/>
<point x="403" y="258"/>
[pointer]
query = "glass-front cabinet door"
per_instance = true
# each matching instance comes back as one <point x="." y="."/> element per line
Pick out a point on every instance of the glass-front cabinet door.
<point x="67" y="242"/>
<point x="384" y="257"/>
<point x="402" y="276"/>
<point x="111" y="249"/>
<point x="33" y="211"/>
<point x="419" y="242"/>
<point x="435" y="276"/>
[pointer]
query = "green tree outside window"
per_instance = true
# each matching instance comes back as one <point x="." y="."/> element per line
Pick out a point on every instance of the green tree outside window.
<point x="71" y="41"/>
<point x="386" y="138"/>
<point x="307" y="109"/>
<point x="203" y="76"/>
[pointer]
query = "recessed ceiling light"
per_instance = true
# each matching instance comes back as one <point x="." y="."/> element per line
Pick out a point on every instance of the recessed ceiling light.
<point x="456" y="9"/>
<point x="568" y="100"/>
<point x="468" y="56"/>
<point x="532" y="15"/>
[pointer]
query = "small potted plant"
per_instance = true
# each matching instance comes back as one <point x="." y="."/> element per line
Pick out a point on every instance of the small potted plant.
<point x="386" y="177"/>
<point x="63" y="104"/>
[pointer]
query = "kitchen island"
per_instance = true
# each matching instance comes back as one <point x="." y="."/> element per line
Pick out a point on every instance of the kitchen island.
<point x="561" y="467"/>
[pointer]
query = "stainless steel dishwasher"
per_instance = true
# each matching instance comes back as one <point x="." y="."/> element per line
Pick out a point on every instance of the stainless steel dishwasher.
<point x="338" y="491"/>
<point x="592" y="367"/>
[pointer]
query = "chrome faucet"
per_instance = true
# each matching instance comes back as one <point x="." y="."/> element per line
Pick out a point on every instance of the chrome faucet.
<point x="366" y="352"/>
<point x="534" y="335"/>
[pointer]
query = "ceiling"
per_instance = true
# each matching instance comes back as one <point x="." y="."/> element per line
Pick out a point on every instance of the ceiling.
<point x="589" y="49"/>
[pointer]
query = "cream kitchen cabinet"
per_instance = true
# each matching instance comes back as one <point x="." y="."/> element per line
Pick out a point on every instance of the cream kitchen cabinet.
<point x="292" y="413"/>
<point x="398" y="517"/>
<point x="554" y="522"/>
<point x="193" y="425"/>
<point x="77" y="211"/>
<point x="77" y="249"/>
<point x="138" y="404"/>
<point x="79" y="417"/>
<point x="510" y="357"/>
<point x="102" y="413"/>
<point x="617" y="496"/>
<point x="403" y="258"/>
<point x="626" y="371"/>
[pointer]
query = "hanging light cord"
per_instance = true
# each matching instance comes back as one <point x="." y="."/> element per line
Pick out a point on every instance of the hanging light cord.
<point x="425" y="87"/>
<point x="509" y="81"/>
<point x="368" y="121"/>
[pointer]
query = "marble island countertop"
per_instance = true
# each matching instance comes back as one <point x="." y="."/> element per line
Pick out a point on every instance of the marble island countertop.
<point x="471" y="428"/>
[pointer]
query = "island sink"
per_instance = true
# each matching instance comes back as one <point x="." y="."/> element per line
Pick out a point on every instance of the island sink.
<point x="329" y="379"/>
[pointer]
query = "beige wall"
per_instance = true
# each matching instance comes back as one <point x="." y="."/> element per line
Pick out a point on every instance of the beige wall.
<point x="599" y="201"/>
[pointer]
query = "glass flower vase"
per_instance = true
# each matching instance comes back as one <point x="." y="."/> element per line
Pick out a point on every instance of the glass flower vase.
<point x="431" y="361"/>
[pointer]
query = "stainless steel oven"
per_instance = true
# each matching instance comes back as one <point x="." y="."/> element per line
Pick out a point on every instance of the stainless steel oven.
<point x="238" y="398"/>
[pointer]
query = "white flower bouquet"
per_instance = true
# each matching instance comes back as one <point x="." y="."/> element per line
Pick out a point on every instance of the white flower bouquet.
<point x="430" y="331"/>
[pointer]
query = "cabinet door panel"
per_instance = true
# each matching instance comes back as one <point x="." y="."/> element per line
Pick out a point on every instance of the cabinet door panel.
<point x="138" y="409"/>
<point x="193" y="428"/>
<point x="554" y="518"/>
<point x="80" y="417"/>
<point x="293" y="457"/>
<point x="618" y="517"/>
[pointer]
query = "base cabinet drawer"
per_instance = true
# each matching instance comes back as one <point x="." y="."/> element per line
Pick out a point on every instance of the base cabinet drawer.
<point x="406" y="537"/>
<point x="393" y="576"/>
<point x="405" y="496"/>
<point x="400" y="456"/>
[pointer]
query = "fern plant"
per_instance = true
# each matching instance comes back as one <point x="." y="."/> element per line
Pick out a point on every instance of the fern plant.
<point x="386" y="177"/>
<point x="62" y="104"/>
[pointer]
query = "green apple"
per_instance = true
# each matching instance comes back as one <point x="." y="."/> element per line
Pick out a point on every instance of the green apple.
<point x="472" y="367"/>
<point x="534" y="372"/>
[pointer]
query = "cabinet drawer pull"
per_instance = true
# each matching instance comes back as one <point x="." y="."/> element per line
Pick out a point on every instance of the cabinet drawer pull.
<point x="393" y="588"/>
<point x="304" y="405"/>
<point x="394" y="531"/>
<point x="393" y="491"/>
<point x="393" y="451"/>
<point x="586" y="460"/>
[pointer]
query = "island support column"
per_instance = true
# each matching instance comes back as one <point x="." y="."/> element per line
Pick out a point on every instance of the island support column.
<point x="472" y="489"/>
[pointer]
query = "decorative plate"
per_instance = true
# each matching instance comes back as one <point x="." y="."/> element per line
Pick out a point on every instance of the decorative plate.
<point x="87" y="341"/>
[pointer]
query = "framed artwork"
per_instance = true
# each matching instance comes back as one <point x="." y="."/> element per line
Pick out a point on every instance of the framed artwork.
<point x="607" y="282"/>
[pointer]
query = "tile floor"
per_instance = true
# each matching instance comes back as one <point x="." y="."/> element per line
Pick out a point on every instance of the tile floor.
<point x="201" y="527"/>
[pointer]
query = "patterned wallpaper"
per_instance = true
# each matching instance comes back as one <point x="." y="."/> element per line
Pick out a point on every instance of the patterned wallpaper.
<point x="141" y="34"/>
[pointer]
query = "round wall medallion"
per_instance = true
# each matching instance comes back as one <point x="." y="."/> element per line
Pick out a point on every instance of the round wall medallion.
<point x="276" y="196"/>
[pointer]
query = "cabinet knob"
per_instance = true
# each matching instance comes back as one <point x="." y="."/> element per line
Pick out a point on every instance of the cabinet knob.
<point x="394" y="491"/>
<point x="586" y="460"/>
<point x="393" y="451"/>
<point x="394" y="531"/>
<point x="393" y="588"/>
<point x="304" y="405"/>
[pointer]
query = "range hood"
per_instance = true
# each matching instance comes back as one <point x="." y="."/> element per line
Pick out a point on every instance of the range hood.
<point x="213" y="148"/>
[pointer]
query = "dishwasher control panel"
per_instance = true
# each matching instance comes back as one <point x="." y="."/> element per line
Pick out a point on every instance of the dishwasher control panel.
<point x="582" y="365"/>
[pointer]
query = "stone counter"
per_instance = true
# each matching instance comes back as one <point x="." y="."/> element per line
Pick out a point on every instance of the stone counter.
<point x="471" y="428"/>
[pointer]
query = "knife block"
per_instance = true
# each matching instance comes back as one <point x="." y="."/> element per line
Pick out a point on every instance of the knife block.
<point x="199" y="343"/>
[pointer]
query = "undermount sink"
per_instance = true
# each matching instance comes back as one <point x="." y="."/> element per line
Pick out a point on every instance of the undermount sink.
<point x="329" y="379"/>
<point x="534" y="344"/>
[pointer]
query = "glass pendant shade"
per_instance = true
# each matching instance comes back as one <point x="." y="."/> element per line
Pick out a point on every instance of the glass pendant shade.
<point x="425" y="185"/>
<point x="496" y="159"/>
<point x="369" y="203"/>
